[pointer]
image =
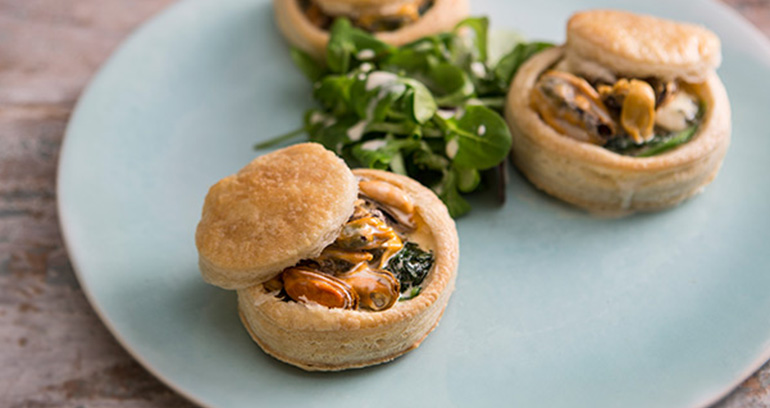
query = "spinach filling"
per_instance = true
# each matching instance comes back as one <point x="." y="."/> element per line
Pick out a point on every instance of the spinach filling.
<point x="662" y="142"/>
<point x="410" y="266"/>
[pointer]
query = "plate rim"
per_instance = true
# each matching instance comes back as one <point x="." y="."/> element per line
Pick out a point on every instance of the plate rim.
<point x="748" y="29"/>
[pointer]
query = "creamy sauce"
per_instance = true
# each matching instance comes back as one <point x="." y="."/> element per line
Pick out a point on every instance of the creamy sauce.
<point x="352" y="273"/>
<point x="422" y="235"/>
<point x="677" y="114"/>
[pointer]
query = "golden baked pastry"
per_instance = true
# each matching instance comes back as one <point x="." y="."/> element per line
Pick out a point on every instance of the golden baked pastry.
<point x="266" y="217"/>
<point x="640" y="46"/>
<point x="629" y="115"/>
<point x="397" y="22"/>
<point x="364" y="289"/>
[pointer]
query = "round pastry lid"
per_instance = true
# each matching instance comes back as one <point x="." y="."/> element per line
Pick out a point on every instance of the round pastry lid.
<point x="355" y="8"/>
<point x="641" y="46"/>
<point x="281" y="208"/>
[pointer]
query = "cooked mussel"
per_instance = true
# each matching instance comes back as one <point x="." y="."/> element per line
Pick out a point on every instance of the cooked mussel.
<point x="334" y="259"/>
<point x="307" y="285"/>
<point x="636" y="101"/>
<point x="377" y="289"/>
<point x="393" y="200"/>
<point x="571" y="106"/>
<point x="638" y="114"/>
<point x="365" y="233"/>
<point x="664" y="90"/>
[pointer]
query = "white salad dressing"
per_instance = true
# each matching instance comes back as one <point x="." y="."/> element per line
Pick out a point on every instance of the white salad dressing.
<point x="452" y="147"/>
<point x="316" y="118"/>
<point x="380" y="79"/>
<point x="357" y="131"/>
<point x="445" y="114"/>
<point x="373" y="145"/>
<point x="479" y="69"/>
<point x="365" y="55"/>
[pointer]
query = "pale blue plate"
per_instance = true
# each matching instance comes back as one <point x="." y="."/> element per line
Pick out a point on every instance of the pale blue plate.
<point x="553" y="307"/>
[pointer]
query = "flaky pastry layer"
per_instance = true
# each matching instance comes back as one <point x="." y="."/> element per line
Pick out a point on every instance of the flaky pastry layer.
<point x="641" y="46"/>
<point x="599" y="180"/>
<point x="280" y="208"/>
<point x="316" y="338"/>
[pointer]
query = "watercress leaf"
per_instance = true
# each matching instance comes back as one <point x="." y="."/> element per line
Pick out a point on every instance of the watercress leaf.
<point x="334" y="135"/>
<point x="450" y="84"/>
<point x="379" y="153"/>
<point x="333" y="92"/>
<point x="369" y="44"/>
<point x="347" y="42"/>
<point x="372" y="156"/>
<point x="483" y="137"/>
<point x="410" y="129"/>
<point x="409" y="61"/>
<point x="312" y="68"/>
<point x="435" y="45"/>
<point x="398" y="164"/>
<point x="340" y="46"/>
<point x="474" y="29"/>
<point x="500" y="43"/>
<point x="509" y="64"/>
<point x="374" y="97"/>
<point x="448" y="193"/>
<point x="467" y="179"/>
<point x="421" y="102"/>
<point x="426" y="159"/>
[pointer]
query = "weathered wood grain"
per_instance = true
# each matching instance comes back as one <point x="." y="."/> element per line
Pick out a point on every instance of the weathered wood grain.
<point x="54" y="351"/>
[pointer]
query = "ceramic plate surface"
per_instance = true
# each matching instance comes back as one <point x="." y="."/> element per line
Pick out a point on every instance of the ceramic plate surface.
<point x="553" y="307"/>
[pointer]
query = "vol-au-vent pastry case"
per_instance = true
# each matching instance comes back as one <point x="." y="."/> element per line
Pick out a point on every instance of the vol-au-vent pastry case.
<point x="334" y="269"/>
<point x="305" y="23"/>
<point x="628" y="115"/>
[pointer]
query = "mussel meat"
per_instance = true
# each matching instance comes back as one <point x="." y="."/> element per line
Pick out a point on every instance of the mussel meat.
<point x="393" y="200"/>
<point x="638" y="114"/>
<point x="377" y="289"/>
<point x="571" y="106"/>
<point x="365" y="233"/>
<point x="306" y="285"/>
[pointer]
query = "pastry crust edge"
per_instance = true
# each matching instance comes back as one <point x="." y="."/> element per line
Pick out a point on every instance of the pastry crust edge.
<point x="300" y="32"/>
<point x="628" y="62"/>
<point x="600" y="181"/>
<point x="317" y="338"/>
<point x="226" y="277"/>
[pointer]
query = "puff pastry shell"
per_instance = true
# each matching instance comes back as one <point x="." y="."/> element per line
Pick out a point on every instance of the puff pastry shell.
<point x="640" y="46"/>
<point x="599" y="180"/>
<point x="300" y="32"/>
<point x="282" y="207"/>
<point x="318" y="338"/>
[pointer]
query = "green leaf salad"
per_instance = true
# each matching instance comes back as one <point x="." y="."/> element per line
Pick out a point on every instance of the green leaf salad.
<point x="430" y="110"/>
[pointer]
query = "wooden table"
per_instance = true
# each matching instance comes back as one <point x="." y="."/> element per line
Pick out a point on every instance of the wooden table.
<point x="54" y="351"/>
